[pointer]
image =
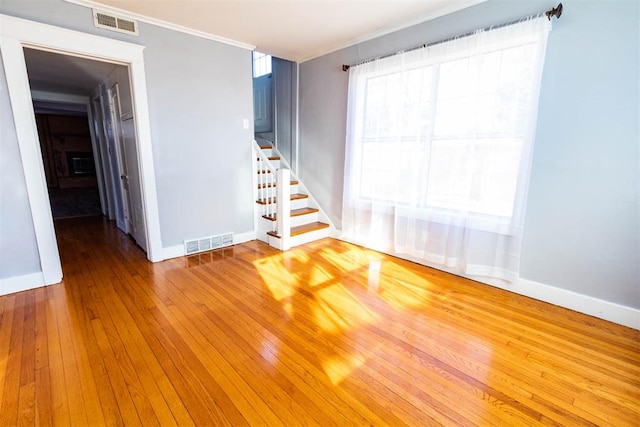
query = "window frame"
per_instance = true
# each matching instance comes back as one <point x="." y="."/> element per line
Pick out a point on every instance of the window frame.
<point x="477" y="220"/>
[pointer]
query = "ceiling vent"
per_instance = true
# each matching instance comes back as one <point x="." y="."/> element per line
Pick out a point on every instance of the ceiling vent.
<point x="113" y="22"/>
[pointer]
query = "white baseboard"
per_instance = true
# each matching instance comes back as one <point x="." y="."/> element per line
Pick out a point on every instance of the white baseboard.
<point x="595" y="307"/>
<point x="244" y="237"/>
<point x="178" y="250"/>
<point x="172" y="252"/>
<point x="610" y="311"/>
<point x="25" y="282"/>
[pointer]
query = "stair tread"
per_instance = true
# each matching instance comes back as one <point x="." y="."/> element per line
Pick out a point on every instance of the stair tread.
<point x="296" y="196"/>
<point x="266" y="147"/>
<point x="301" y="229"/>
<point x="271" y="158"/>
<point x="294" y="212"/>
<point x="273" y="184"/>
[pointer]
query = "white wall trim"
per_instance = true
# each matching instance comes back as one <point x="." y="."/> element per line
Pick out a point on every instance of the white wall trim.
<point x="178" y="250"/>
<point x="173" y="252"/>
<point x="595" y="307"/>
<point x="17" y="33"/>
<point x="32" y="165"/>
<point x="244" y="237"/>
<point x="160" y="23"/>
<point x="25" y="282"/>
<point x="585" y="304"/>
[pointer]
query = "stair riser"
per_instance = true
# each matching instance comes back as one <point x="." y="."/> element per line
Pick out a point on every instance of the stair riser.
<point x="304" y="219"/>
<point x="301" y="239"/>
<point x="274" y="163"/>
<point x="295" y="204"/>
<point x="300" y="203"/>
<point x="265" y="225"/>
<point x="271" y="191"/>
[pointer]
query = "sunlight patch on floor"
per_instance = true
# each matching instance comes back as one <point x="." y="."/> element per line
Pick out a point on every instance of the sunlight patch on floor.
<point x="281" y="282"/>
<point x="338" y="369"/>
<point x="350" y="260"/>
<point x="336" y="310"/>
<point x="318" y="276"/>
<point x="402" y="288"/>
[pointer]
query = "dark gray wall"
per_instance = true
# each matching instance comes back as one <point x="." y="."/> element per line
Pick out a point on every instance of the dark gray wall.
<point x="582" y="230"/>
<point x="199" y="91"/>
<point x="18" y="247"/>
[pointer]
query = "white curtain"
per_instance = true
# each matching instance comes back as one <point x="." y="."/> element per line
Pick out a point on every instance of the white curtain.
<point x="439" y="146"/>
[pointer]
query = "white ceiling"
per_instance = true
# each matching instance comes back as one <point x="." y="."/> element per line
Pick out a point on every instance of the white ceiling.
<point x="53" y="72"/>
<point x="297" y="30"/>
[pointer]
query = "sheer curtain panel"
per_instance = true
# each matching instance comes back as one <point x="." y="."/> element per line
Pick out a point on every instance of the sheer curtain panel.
<point x="439" y="146"/>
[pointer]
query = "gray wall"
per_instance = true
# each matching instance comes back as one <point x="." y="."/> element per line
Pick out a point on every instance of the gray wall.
<point x="582" y="230"/>
<point x="199" y="91"/>
<point x="18" y="247"/>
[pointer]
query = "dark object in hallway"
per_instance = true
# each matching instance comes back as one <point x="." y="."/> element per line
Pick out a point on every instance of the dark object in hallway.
<point x="74" y="202"/>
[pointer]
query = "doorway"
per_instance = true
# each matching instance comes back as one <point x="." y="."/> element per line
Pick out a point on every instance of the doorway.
<point x="70" y="162"/>
<point x="275" y="92"/>
<point x="15" y="36"/>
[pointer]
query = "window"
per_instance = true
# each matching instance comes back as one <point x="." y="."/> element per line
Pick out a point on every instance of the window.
<point x="261" y="64"/>
<point x="454" y="121"/>
<point x="438" y="150"/>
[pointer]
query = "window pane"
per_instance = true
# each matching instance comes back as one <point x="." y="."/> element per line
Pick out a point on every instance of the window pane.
<point x="486" y="94"/>
<point x="261" y="64"/>
<point x="398" y="104"/>
<point x="478" y="176"/>
<point x="387" y="168"/>
<point x="456" y="90"/>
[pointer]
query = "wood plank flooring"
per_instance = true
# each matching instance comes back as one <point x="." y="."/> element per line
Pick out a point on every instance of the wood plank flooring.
<point x="326" y="334"/>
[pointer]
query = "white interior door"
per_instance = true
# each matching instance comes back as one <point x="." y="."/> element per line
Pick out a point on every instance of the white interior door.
<point x="125" y="133"/>
<point x="101" y="140"/>
<point x="262" y="104"/>
<point x="138" y="231"/>
<point x="114" y="106"/>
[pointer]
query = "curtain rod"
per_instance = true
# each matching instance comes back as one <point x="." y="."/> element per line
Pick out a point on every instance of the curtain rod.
<point x="556" y="11"/>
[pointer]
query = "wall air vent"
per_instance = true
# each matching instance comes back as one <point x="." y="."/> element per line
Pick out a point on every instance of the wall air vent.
<point x="208" y="243"/>
<point x="113" y="22"/>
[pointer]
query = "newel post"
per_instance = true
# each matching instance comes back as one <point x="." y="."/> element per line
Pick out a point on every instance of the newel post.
<point x="283" y="198"/>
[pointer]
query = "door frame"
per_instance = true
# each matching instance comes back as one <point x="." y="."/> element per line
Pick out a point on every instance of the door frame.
<point x="15" y="34"/>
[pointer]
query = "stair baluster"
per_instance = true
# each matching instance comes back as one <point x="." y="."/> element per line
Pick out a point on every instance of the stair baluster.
<point x="277" y="221"/>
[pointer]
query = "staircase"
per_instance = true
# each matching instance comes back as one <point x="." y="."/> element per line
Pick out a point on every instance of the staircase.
<point x="286" y="216"/>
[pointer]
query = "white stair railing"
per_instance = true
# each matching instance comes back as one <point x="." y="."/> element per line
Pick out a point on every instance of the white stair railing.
<point x="266" y="183"/>
<point x="274" y="195"/>
<point x="284" y="208"/>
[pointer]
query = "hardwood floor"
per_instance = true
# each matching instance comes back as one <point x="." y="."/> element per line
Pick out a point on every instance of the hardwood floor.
<point x="325" y="334"/>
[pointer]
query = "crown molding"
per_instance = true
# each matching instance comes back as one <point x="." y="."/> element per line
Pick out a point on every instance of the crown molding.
<point x="157" y="22"/>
